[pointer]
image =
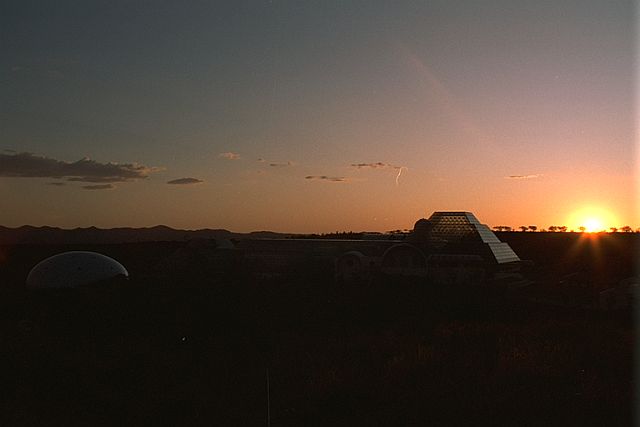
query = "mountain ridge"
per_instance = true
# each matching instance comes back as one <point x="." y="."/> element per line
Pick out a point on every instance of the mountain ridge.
<point x="29" y="234"/>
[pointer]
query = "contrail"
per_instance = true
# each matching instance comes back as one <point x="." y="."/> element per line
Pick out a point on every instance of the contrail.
<point x="399" y="173"/>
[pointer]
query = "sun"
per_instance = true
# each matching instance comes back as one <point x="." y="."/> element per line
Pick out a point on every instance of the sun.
<point x="592" y="218"/>
<point x="593" y="225"/>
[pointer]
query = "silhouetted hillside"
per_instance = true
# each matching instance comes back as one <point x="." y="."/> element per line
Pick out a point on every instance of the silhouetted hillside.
<point x="92" y="235"/>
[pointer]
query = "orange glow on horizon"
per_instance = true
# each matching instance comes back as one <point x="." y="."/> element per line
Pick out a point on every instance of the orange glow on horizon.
<point x="593" y="218"/>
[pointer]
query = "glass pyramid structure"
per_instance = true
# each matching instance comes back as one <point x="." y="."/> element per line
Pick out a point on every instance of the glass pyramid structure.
<point x="463" y="230"/>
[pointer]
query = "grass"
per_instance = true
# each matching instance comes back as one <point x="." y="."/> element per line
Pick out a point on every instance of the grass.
<point x="193" y="349"/>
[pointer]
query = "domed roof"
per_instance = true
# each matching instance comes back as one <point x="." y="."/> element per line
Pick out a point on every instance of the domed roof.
<point x="421" y="230"/>
<point x="224" y="244"/>
<point x="422" y="225"/>
<point x="74" y="269"/>
<point x="356" y="254"/>
<point x="404" y="251"/>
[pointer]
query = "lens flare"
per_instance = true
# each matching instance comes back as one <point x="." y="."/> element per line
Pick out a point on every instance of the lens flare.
<point x="591" y="219"/>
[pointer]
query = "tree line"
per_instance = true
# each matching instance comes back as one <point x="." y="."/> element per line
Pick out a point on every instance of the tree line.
<point x="560" y="229"/>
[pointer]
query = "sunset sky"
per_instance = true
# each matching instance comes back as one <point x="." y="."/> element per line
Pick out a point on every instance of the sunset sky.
<point x="318" y="116"/>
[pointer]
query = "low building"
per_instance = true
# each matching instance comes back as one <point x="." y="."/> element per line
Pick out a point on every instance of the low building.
<point x="452" y="248"/>
<point x="448" y="248"/>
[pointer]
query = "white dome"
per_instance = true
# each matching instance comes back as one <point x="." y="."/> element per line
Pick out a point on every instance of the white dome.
<point x="73" y="269"/>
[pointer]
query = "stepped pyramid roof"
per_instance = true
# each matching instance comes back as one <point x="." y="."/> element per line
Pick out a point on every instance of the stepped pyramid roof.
<point x="460" y="228"/>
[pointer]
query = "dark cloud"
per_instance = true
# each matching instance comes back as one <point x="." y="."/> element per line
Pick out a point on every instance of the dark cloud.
<point x="29" y="165"/>
<point x="185" y="181"/>
<point x="377" y="165"/>
<point x="56" y="184"/>
<point x="280" y="165"/>
<point x="523" y="176"/>
<point x="381" y="165"/>
<point x="327" y="178"/>
<point x="94" y="179"/>
<point x="99" y="187"/>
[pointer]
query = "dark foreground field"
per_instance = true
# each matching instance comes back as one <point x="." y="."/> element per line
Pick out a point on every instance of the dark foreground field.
<point x="186" y="346"/>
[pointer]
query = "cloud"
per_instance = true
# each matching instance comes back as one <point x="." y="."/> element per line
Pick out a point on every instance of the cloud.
<point x="185" y="181"/>
<point x="94" y="179"/>
<point x="229" y="155"/>
<point x="275" y="164"/>
<point x="381" y="165"/>
<point x="56" y="184"/>
<point x="327" y="178"/>
<point x="99" y="187"/>
<point x="280" y="165"/>
<point x="29" y="165"/>
<point x="377" y="165"/>
<point x="523" y="176"/>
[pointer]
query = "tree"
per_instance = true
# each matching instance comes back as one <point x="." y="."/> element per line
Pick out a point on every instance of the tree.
<point x="553" y="228"/>
<point x="626" y="229"/>
<point x="614" y="229"/>
<point x="582" y="229"/>
<point x="533" y="227"/>
<point x="563" y="228"/>
<point x="523" y="228"/>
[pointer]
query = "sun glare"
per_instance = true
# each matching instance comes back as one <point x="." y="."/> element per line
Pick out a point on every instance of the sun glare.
<point x="593" y="225"/>
<point x="591" y="219"/>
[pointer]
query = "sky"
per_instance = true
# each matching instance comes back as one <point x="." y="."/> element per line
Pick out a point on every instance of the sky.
<point x="317" y="116"/>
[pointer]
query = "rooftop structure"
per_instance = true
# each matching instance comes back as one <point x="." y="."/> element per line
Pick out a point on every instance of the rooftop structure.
<point x="74" y="269"/>
<point x="461" y="231"/>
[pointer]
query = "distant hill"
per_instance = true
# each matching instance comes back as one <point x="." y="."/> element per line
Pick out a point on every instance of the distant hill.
<point x="92" y="235"/>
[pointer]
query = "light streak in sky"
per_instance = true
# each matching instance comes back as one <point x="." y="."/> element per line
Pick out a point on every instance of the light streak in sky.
<point x="399" y="173"/>
<point x="436" y="90"/>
